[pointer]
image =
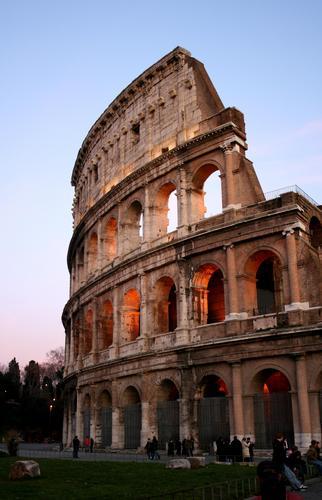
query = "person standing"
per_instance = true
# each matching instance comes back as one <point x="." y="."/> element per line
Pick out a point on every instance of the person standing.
<point x="154" y="448"/>
<point x="236" y="450"/>
<point x="245" y="450"/>
<point x="76" y="444"/>
<point x="91" y="446"/>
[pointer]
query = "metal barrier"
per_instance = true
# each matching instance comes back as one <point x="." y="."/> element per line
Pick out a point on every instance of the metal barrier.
<point x="239" y="489"/>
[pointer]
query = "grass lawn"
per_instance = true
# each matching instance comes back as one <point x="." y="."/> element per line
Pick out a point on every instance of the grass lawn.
<point x="70" y="479"/>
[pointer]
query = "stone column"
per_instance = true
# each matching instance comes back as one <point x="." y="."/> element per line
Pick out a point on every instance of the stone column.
<point x="182" y="205"/>
<point x="183" y="301"/>
<point x="95" y="330"/>
<point x="145" y="425"/>
<point x="143" y="306"/>
<point x="185" y="417"/>
<point x="67" y="348"/>
<point x="79" y="417"/>
<point x="69" y="436"/>
<point x="237" y="401"/>
<point x="71" y="350"/>
<point x="303" y="402"/>
<point x="65" y="421"/>
<point x="232" y="283"/>
<point x="229" y="152"/>
<point x="100" y="243"/>
<point x="114" y="349"/>
<point x="314" y="402"/>
<point x="117" y="428"/>
<point x="147" y="228"/>
<point x="295" y="295"/>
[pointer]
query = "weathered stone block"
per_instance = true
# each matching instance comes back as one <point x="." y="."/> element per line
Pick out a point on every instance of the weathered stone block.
<point x="24" y="469"/>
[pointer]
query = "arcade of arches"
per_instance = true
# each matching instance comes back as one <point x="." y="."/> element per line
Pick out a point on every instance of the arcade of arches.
<point x="188" y="317"/>
<point x="268" y="404"/>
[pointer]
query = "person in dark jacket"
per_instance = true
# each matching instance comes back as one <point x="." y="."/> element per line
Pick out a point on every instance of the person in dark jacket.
<point x="236" y="450"/>
<point x="280" y="462"/>
<point x="76" y="444"/>
<point x="154" y="448"/>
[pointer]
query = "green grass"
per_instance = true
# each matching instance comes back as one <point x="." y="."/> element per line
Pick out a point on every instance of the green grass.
<point x="67" y="479"/>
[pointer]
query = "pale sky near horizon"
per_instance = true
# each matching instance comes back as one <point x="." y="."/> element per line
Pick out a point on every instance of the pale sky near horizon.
<point x="63" y="62"/>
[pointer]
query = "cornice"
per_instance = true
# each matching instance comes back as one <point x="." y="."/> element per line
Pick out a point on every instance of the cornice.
<point x="117" y="107"/>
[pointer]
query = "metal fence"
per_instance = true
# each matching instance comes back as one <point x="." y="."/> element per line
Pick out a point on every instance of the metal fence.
<point x="238" y="489"/>
<point x="295" y="189"/>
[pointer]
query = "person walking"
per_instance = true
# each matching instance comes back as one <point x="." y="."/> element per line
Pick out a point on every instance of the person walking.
<point x="76" y="444"/>
<point x="280" y="462"/>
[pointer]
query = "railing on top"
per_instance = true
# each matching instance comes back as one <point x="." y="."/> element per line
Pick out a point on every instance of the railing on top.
<point x="295" y="189"/>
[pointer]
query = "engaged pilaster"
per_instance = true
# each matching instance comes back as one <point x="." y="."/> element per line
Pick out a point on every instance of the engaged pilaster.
<point x="295" y="295"/>
<point x="304" y="437"/>
<point x="237" y="401"/>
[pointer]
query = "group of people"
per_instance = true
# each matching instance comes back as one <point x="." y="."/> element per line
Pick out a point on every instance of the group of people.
<point x="182" y="448"/>
<point x="234" y="451"/>
<point x="88" y="445"/>
<point x="151" y="448"/>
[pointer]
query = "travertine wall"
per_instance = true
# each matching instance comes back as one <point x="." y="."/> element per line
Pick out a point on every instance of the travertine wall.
<point x="226" y="305"/>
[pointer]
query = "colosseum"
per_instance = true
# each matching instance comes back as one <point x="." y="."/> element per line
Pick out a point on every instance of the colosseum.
<point x="181" y="323"/>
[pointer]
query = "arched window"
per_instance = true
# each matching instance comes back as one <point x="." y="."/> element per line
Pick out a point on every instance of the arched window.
<point x="167" y="413"/>
<point x="106" y="338"/>
<point x="265" y="286"/>
<point x="206" y="177"/>
<point x="165" y="211"/>
<point x="131" y="315"/>
<point x="212" y="194"/>
<point x="208" y="295"/>
<point x="81" y="265"/>
<point x="132" y="418"/>
<point x="111" y="239"/>
<point x="132" y="227"/>
<point x="213" y="411"/>
<point x="88" y="331"/>
<point x="263" y="283"/>
<point x="315" y="232"/>
<point x="166" y="305"/>
<point x="272" y="407"/>
<point x="92" y="253"/>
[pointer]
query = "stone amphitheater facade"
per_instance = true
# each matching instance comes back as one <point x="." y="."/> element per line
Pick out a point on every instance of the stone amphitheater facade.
<point x="212" y="329"/>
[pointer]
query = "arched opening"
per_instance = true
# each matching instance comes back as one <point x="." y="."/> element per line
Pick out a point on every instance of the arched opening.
<point x="111" y="239"/>
<point x="272" y="408"/>
<point x="212" y="195"/>
<point x="92" y="253"/>
<point x="167" y="413"/>
<point x="166" y="305"/>
<point x="131" y="315"/>
<point x="208" y="174"/>
<point x="164" y="214"/>
<point x="81" y="265"/>
<point x="132" y="227"/>
<point x="213" y="411"/>
<point x="208" y="295"/>
<point x="87" y="417"/>
<point x="105" y="418"/>
<point x="106" y="338"/>
<point x="76" y="334"/>
<point x="315" y="230"/>
<point x="132" y="418"/>
<point x="263" y="292"/>
<point x="73" y="401"/>
<point x="88" y="331"/>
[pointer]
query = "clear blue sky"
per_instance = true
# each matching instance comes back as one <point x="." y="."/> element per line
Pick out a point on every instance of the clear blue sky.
<point x="63" y="62"/>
